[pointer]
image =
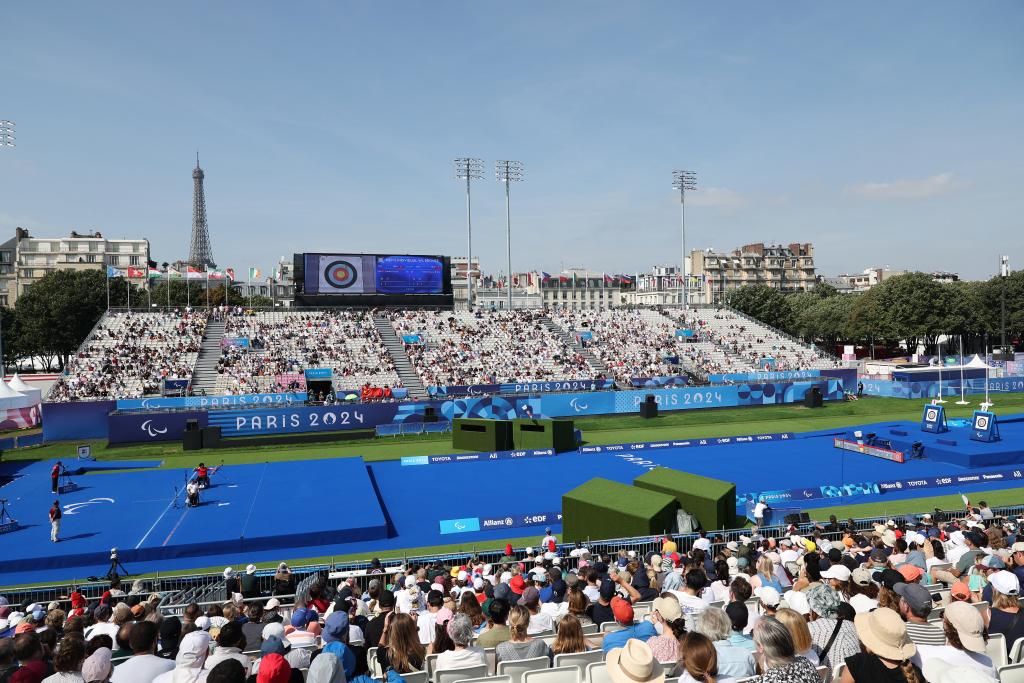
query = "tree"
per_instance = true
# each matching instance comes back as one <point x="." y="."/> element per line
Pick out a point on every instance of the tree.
<point x="765" y="303"/>
<point x="913" y="305"/>
<point x="827" y="320"/>
<point x="55" y="314"/>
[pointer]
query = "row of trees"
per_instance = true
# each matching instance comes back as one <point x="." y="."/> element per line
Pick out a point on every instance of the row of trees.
<point x="50" y="320"/>
<point x="909" y="309"/>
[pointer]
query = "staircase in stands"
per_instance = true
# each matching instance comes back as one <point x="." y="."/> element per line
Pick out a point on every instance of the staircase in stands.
<point x="593" y="361"/>
<point x="204" y="377"/>
<point x="410" y="380"/>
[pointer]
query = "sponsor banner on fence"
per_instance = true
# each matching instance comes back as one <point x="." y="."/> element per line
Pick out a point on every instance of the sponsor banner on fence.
<point x="673" y="381"/>
<point x="848" y="376"/>
<point x="950" y="386"/>
<point x="523" y="388"/>
<point x="475" y="457"/>
<point x="868" y="488"/>
<point x="210" y="401"/>
<point x="687" y="443"/>
<point x="466" y="524"/>
<point x="137" y="427"/>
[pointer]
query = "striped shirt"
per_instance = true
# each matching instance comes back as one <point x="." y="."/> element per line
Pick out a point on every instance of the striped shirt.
<point x="925" y="634"/>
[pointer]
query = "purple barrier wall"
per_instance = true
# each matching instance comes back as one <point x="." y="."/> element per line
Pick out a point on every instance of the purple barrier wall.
<point x="76" y="421"/>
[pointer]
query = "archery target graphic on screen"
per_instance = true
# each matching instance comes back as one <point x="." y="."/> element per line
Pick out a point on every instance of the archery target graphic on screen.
<point x="342" y="274"/>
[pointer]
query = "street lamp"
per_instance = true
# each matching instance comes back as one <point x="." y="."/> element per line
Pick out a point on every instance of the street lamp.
<point x="469" y="169"/>
<point x="6" y="133"/>
<point x="683" y="181"/>
<point x="508" y="172"/>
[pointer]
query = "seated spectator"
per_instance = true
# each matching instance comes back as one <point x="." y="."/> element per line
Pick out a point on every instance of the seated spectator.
<point x="634" y="663"/>
<point x="460" y="630"/>
<point x="623" y="612"/>
<point x="797" y="626"/>
<point x="520" y="645"/>
<point x="732" y="661"/>
<point x="230" y="642"/>
<point x="298" y="657"/>
<point x="834" y="638"/>
<point x="97" y="668"/>
<point x="7" y="661"/>
<point x="144" y="665"/>
<point x="569" y="639"/>
<point x="668" y="621"/>
<point x="170" y="634"/>
<point x="887" y="650"/>
<point x="187" y="665"/>
<point x="498" y="632"/>
<point x="1005" y="615"/>
<point x="400" y="647"/>
<point x="275" y="669"/>
<point x="698" y="659"/>
<point x="67" y="661"/>
<point x="228" y="671"/>
<point x="965" y="640"/>
<point x="540" y="622"/>
<point x="776" y="655"/>
<point x="915" y="606"/>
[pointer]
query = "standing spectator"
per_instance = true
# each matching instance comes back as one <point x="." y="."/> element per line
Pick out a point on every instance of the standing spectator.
<point x="144" y="665"/>
<point x="777" y="657"/>
<point x="231" y="584"/>
<point x="250" y="583"/>
<point x="284" y="582"/>
<point x="887" y="653"/>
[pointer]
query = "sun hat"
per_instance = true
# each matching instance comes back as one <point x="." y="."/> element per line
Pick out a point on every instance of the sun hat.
<point x="861" y="576"/>
<point x="797" y="601"/>
<point x="839" y="572"/>
<point x="889" y="538"/>
<point x="910" y="572"/>
<point x="668" y="608"/>
<point x="768" y="595"/>
<point x="228" y="572"/>
<point x="251" y="569"/>
<point x="1005" y="582"/>
<point x="884" y="633"/>
<point x="634" y="662"/>
<point x="966" y="619"/>
<point x="517" y="584"/>
<point x="823" y="600"/>
<point x="335" y="627"/>
<point x="96" y="666"/>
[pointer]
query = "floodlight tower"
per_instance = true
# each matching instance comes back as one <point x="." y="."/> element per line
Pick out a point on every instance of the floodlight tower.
<point x="683" y="181"/>
<point x="508" y="172"/>
<point x="6" y="133"/>
<point x="469" y="169"/>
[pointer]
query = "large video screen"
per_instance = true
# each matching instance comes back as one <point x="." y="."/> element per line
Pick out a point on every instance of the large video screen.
<point x="373" y="274"/>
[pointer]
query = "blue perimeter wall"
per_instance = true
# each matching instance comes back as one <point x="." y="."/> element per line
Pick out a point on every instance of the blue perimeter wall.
<point x="930" y="389"/>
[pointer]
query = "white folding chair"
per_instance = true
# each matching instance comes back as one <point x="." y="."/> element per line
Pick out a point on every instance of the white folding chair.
<point x="428" y="665"/>
<point x="492" y="659"/>
<point x="488" y="679"/>
<point x="996" y="650"/>
<point x="1012" y="673"/>
<point x="518" y="667"/>
<point x="1016" y="651"/>
<point x="837" y="671"/>
<point x="460" y="673"/>
<point x="372" y="664"/>
<point x="597" y="672"/>
<point x="565" y="674"/>
<point x="415" y="677"/>
<point x="590" y="629"/>
<point x="610" y="626"/>
<point x="579" y="659"/>
<point x="823" y="673"/>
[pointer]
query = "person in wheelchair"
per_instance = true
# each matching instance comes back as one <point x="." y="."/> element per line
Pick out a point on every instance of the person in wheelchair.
<point x="192" y="493"/>
<point x="202" y="476"/>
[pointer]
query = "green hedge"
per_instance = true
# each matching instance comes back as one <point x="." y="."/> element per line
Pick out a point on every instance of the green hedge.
<point x="712" y="501"/>
<point x="477" y="434"/>
<point x="601" y="508"/>
<point x="557" y="434"/>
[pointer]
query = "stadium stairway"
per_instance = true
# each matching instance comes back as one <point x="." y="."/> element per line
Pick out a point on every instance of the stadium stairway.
<point x="593" y="361"/>
<point x="410" y="380"/>
<point x="204" y="377"/>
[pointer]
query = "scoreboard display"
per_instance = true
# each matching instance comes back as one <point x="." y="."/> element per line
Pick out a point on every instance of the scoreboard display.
<point x="393" y="275"/>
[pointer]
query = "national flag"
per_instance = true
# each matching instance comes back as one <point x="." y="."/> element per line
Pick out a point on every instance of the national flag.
<point x="114" y="272"/>
<point x="545" y="276"/>
<point x="215" y="275"/>
<point x="155" y="273"/>
<point x="626" y="279"/>
<point x="254" y="273"/>
<point x="172" y="273"/>
<point x="967" y="503"/>
<point x="563" y="278"/>
<point x="194" y="273"/>
<point x="136" y="272"/>
<point x="230" y="272"/>
<point x="608" y="279"/>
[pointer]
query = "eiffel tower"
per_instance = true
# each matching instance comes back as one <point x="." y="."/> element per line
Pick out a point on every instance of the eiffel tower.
<point x="200" y="253"/>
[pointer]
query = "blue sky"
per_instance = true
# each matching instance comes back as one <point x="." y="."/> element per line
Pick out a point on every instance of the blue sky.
<point x="885" y="133"/>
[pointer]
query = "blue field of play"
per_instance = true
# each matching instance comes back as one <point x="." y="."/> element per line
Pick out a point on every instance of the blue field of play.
<point x="288" y="510"/>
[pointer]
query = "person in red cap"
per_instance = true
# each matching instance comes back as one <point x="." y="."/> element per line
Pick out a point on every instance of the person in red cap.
<point x="274" y="669"/>
<point x="78" y="604"/>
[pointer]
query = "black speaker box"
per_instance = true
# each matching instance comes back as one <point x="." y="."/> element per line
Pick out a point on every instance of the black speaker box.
<point x="792" y="519"/>
<point x="429" y="414"/>
<point x="191" y="425"/>
<point x="812" y="399"/>
<point x="648" y="410"/>
<point x="211" y="437"/>
<point x="191" y="440"/>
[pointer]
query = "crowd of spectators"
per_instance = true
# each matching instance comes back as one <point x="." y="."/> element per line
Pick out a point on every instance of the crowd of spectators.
<point x="287" y="343"/>
<point x="487" y="347"/>
<point x="129" y="354"/>
<point x="908" y="601"/>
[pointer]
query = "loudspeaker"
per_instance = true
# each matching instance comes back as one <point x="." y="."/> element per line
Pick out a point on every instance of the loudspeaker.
<point x="191" y="425"/>
<point x="805" y="518"/>
<point x="192" y="440"/>
<point x="211" y="437"/>
<point x="793" y="518"/>
<point x="429" y="414"/>
<point x="649" y="408"/>
<point x="812" y="399"/>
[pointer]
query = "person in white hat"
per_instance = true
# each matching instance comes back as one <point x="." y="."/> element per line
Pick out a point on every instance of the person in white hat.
<point x="1005" y="616"/>
<point x="634" y="663"/>
<point x="250" y="583"/>
<point x="884" y="637"/>
<point x="965" y="641"/>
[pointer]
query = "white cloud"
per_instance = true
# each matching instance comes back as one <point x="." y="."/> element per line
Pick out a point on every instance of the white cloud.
<point x="907" y="190"/>
<point x="717" y="197"/>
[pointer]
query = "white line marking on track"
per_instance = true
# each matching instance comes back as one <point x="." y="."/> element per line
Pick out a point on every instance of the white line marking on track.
<point x="220" y="505"/>
<point x="143" y="540"/>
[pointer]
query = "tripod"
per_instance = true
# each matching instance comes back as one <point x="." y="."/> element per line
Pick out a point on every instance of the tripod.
<point x="7" y="523"/>
<point x="65" y="483"/>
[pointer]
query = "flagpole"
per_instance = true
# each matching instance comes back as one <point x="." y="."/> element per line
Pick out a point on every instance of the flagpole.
<point x="149" y="290"/>
<point x="188" y="290"/>
<point x="128" y="280"/>
<point x="963" y="399"/>
<point x="168" y="274"/>
<point x="207" y="289"/>
<point x="108" y="288"/>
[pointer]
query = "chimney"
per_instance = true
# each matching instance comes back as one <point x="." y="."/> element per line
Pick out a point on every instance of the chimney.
<point x="21" y="233"/>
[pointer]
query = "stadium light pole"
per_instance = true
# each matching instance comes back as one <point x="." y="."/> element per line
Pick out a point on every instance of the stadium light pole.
<point x="469" y="169"/>
<point x="1004" y="272"/>
<point x="683" y="181"/>
<point x="508" y="172"/>
<point x="6" y="140"/>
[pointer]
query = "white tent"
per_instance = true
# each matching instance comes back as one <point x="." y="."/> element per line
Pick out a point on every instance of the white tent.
<point x="977" y="362"/>
<point x="22" y="387"/>
<point x="9" y="398"/>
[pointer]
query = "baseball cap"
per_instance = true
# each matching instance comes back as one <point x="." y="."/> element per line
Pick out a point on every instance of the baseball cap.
<point x="966" y="619"/>
<point x="530" y="594"/>
<point x="622" y="610"/>
<point x="889" y="577"/>
<point x="916" y="595"/>
<point x="992" y="562"/>
<point x="1017" y="547"/>
<point x="517" y="584"/>
<point x="910" y="572"/>
<point x="274" y="603"/>
<point x="251" y="569"/>
<point x="1005" y="582"/>
<point x="768" y="595"/>
<point x="797" y="601"/>
<point x="839" y="572"/>
<point x="607" y="589"/>
<point x="960" y="590"/>
<point x="861" y="576"/>
<point x="335" y="627"/>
